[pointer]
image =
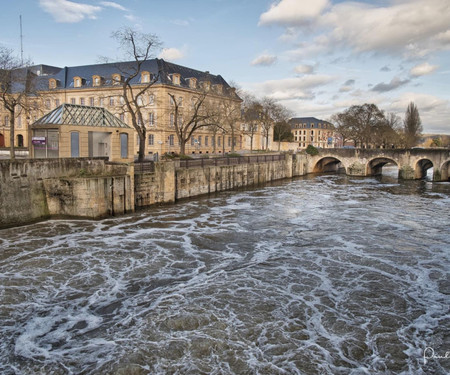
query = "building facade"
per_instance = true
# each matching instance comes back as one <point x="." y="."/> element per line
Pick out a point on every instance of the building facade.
<point x="100" y="86"/>
<point x="312" y="131"/>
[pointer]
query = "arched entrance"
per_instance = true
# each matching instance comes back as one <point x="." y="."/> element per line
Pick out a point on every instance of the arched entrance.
<point x="421" y="168"/>
<point x="328" y="164"/>
<point x="375" y="166"/>
<point x="2" y="140"/>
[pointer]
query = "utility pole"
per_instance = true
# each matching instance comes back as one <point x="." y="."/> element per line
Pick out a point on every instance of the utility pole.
<point x="21" y="41"/>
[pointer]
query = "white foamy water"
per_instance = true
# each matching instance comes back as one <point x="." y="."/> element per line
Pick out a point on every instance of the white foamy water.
<point x="323" y="275"/>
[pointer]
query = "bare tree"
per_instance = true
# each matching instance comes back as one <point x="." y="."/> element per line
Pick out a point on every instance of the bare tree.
<point x="269" y="115"/>
<point x="250" y="113"/>
<point x="412" y="125"/>
<point x="187" y="119"/>
<point x="139" y="48"/>
<point x="17" y="82"/>
<point x="228" y="117"/>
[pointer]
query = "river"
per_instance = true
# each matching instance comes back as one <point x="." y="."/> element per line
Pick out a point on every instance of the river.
<point x="324" y="274"/>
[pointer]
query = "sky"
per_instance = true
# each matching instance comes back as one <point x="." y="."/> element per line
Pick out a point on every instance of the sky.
<point x="316" y="57"/>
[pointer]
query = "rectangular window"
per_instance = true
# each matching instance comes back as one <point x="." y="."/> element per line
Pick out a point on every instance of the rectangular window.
<point x="192" y="141"/>
<point x="124" y="145"/>
<point x="111" y="102"/>
<point x="172" y="119"/>
<point x="19" y="122"/>
<point x="171" y="101"/>
<point x="72" y="101"/>
<point x="122" y="117"/>
<point x="47" y="104"/>
<point x="219" y="139"/>
<point x="151" y="99"/>
<point x="229" y="141"/>
<point x="199" y="140"/>
<point x="151" y="139"/>
<point x="57" y="102"/>
<point x="171" y="140"/>
<point x="151" y="119"/>
<point x="206" y="140"/>
<point x="75" y="144"/>
<point x="101" y="102"/>
<point x="91" y="102"/>
<point x="82" y="101"/>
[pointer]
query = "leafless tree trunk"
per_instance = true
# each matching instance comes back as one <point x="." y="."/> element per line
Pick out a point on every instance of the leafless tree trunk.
<point x="139" y="47"/>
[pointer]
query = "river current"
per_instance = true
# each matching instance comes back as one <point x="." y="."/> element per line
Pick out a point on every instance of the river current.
<point x="325" y="274"/>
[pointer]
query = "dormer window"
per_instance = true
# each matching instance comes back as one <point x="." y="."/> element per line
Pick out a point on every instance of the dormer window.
<point x="97" y="80"/>
<point x="116" y="79"/>
<point x="176" y="79"/>
<point x="206" y="85"/>
<point x="192" y="83"/>
<point x="77" y="81"/>
<point x="145" y="77"/>
<point x="53" y="83"/>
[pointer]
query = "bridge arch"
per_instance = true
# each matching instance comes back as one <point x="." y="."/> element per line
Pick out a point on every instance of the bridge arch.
<point x="421" y="168"/>
<point x="328" y="164"/>
<point x="375" y="166"/>
<point x="445" y="171"/>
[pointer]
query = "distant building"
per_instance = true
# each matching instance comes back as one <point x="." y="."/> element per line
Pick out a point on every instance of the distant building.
<point x="312" y="131"/>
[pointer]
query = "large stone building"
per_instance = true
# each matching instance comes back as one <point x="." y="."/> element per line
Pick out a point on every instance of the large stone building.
<point x="312" y="131"/>
<point x="100" y="85"/>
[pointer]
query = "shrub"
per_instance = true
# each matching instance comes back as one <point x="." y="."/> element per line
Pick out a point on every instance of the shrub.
<point x="311" y="150"/>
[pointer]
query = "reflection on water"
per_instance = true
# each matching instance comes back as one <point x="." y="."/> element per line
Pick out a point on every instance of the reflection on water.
<point x="319" y="275"/>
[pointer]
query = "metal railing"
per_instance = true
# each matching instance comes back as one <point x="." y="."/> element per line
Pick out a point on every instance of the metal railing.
<point x="229" y="160"/>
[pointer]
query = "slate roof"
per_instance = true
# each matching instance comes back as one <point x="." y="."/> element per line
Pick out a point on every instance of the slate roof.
<point x="307" y="120"/>
<point x="71" y="114"/>
<point x="157" y="67"/>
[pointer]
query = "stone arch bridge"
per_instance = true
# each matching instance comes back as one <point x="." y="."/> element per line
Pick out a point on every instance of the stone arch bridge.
<point x="411" y="163"/>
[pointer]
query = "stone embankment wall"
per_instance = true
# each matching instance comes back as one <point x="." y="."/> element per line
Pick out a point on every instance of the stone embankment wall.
<point x="33" y="189"/>
<point x="170" y="182"/>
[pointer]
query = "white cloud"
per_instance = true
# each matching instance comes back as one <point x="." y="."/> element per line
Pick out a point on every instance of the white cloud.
<point x="291" y="88"/>
<point x="180" y="22"/>
<point x="113" y="5"/>
<point x="171" y="54"/>
<point x="65" y="11"/>
<point x="422" y="69"/>
<point x="409" y="27"/>
<point x="264" y="60"/>
<point x="304" y="69"/>
<point x="293" y="12"/>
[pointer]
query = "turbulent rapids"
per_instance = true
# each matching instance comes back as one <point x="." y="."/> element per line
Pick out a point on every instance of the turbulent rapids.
<point x="318" y="275"/>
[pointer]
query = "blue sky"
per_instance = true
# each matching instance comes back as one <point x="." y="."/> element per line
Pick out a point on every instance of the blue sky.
<point x="315" y="57"/>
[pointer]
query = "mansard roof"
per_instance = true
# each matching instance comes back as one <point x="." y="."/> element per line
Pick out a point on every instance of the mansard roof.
<point x="307" y="120"/>
<point x="159" y="68"/>
<point x="71" y="114"/>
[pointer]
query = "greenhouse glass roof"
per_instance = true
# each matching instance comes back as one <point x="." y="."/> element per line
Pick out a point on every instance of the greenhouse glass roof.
<point x="71" y="114"/>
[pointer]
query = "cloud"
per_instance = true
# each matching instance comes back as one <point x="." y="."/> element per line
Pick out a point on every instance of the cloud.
<point x="347" y="86"/>
<point x="65" y="11"/>
<point x="422" y="69"/>
<point x="171" y="54"/>
<point x="434" y="112"/>
<point x="292" y="88"/>
<point x="394" y="84"/>
<point x="385" y="69"/>
<point x="293" y="12"/>
<point x="411" y="28"/>
<point x="111" y="4"/>
<point x="304" y="69"/>
<point x="264" y="60"/>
